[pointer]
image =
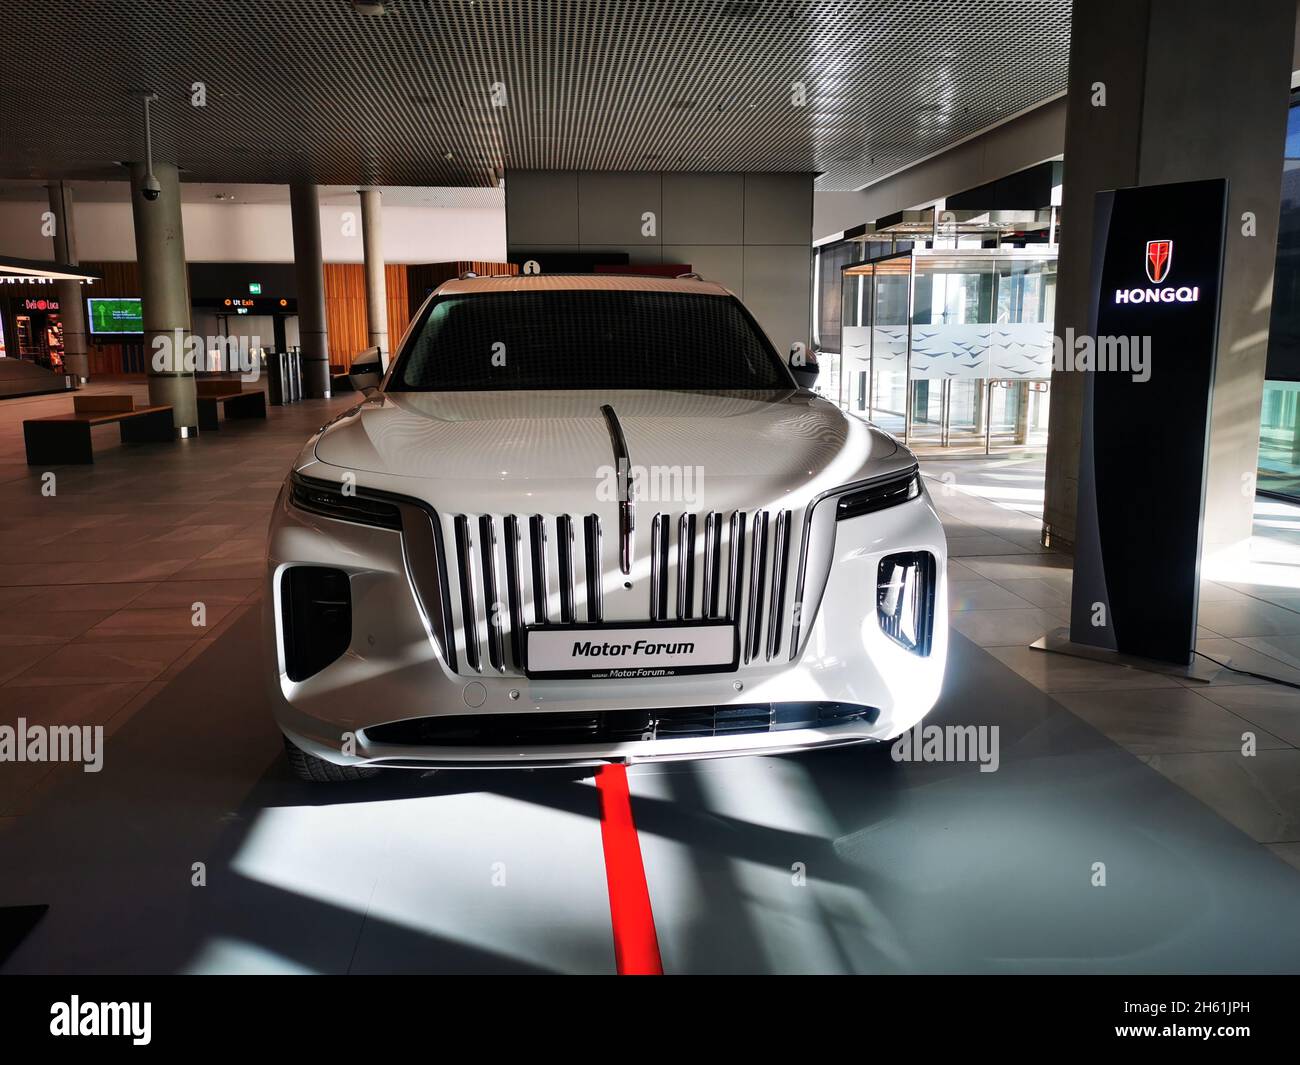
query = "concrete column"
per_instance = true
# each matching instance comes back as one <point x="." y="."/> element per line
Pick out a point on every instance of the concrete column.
<point x="165" y="291"/>
<point x="1192" y="89"/>
<point x="372" y="248"/>
<point x="71" y="294"/>
<point x="313" y="336"/>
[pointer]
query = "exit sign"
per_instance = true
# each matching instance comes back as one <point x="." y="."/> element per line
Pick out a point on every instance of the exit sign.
<point x="255" y="288"/>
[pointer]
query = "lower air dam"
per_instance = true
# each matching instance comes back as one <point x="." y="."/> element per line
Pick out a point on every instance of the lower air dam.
<point x="641" y="647"/>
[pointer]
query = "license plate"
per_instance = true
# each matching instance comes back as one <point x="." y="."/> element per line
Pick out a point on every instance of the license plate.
<point x="633" y="652"/>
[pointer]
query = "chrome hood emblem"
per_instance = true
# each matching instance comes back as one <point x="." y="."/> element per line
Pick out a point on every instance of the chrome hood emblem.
<point x="626" y="504"/>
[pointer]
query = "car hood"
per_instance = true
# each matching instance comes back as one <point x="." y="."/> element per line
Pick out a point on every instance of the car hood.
<point x="494" y="452"/>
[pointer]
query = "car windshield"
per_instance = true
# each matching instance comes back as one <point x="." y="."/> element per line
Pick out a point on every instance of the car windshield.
<point x="587" y="339"/>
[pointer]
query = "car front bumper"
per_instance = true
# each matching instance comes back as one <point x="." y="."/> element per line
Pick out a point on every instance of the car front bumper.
<point x="391" y="672"/>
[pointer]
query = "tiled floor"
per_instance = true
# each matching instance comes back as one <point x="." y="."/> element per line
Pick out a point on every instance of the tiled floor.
<point x="1006" y="591"/>
<point x="107" y="568"/>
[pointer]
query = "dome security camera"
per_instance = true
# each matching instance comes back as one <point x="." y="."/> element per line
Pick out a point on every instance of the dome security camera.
<point x="150" y="188"/>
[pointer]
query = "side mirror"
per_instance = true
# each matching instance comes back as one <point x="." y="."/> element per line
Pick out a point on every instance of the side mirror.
<point x="366" y="371"/>
<point x="803" y="364"/>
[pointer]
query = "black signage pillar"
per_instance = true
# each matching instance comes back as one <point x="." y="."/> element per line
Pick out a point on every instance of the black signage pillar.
<point x="1158" y="264"/>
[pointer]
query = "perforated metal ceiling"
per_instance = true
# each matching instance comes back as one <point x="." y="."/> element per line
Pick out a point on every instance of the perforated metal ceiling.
<point x="310" y="89"/>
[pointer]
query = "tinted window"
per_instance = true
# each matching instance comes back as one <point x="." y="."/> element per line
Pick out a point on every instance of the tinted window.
<point x="587" y="339"/>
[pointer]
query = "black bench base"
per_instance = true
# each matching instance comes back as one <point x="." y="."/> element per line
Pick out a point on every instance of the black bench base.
<point x="67" y="441"/>
<point x="243" y="405"/>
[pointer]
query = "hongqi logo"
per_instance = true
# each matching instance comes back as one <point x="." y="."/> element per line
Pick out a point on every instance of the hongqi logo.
<point x="1160" y="258"/>
<point x="1160" y="254"/>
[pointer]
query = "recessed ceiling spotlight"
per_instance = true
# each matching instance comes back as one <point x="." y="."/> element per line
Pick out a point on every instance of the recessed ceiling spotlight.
<point x="449" y="156"/>
<point x="370" y="7"/>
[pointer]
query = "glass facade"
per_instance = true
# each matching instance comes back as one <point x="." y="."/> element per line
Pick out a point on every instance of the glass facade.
<point x="1279" y="428"/>
<point x="949" y="348"/>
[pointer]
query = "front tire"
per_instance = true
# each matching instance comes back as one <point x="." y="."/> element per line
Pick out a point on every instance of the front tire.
<point x="308" y="767"/>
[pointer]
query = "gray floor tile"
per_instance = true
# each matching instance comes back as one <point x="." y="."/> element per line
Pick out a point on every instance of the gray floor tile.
<point x="1270" y="706"/>
<point x="1241" y="657"/>
<point x="1260" y="795"/>
<point x="1165" y="721"/>
<point x="1004" y="628"/>
<point x="1050" y="595"/>
<point x="1288" y="852"/>
<point x="980" y="594"/>
<point x="1050" y="672"/>
<point x="1016" y="567"/>
<point x="1249" y="618"/>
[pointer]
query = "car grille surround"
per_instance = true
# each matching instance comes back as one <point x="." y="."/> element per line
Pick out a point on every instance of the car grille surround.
<point x="508" y="572"/>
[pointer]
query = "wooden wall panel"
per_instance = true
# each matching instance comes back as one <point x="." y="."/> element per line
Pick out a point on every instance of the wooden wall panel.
<point x="345" y="312"/>
<point x="399" y="313"/>
<point x="345" y="309"/>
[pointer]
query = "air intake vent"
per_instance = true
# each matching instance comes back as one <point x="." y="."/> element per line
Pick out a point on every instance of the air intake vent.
<point x="316" y="612"/>
<point x="615" y="726"/>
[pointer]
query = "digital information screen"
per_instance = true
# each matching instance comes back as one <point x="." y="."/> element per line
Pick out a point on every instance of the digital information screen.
<point x="108" y="316"/>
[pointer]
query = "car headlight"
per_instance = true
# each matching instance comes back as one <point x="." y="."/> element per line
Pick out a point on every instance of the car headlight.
<point x="905" y="585"/>
<point x="331" y="501"/>
<point x="880" y="495"/>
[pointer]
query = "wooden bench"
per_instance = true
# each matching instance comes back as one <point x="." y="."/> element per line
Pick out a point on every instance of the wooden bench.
<point x="230" y="394"/>
<point x="65" y="438"/>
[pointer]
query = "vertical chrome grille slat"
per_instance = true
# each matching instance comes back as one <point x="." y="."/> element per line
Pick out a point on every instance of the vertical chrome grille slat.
<point x="709" y="597"/>
<point x="541" y="586"/>
<point x="564" y="530"/>
<point x="513" y="590"/>
<point x="757" y="579"/>
<point x="595" y="596"/>
<point x="780" y="562"/>
<point x="737" y="563"/>
<point x="654" y="568"/>
<point x="465" y="577"/>
<point x="660" y="535"/>
<point x="487" y="542"/>
<point x="685" y="565"/>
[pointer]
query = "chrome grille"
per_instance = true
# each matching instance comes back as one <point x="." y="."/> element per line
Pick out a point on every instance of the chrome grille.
<point x="728" y="566"/>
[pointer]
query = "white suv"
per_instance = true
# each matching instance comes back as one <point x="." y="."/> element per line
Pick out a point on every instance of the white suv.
<point x="595" y="519"/>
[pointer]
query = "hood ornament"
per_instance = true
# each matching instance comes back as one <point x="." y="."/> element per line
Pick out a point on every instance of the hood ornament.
<point x="626" y="504"/>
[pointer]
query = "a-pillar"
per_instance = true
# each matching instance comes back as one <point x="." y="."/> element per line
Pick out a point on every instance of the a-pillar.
<point x="165" y="292"/>
<point x="372" y="248"/>
<point x="1164" y="91"/>
<point x="72" y="306"/>
<point x="309" y="269"/>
